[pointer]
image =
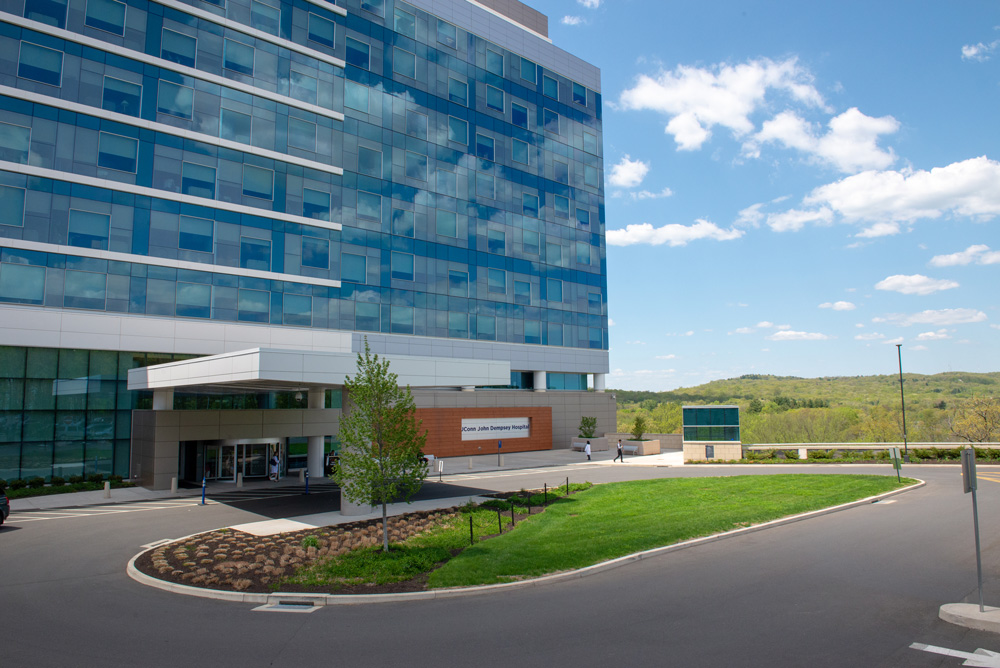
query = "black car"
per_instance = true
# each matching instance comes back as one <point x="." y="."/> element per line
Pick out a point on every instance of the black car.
<point x="4" y="506"/>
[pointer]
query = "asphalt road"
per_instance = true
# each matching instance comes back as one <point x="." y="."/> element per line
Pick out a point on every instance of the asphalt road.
<point x="852" y="588"/>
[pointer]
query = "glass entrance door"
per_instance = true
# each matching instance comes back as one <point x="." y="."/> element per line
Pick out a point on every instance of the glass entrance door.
<point x="212" y="462"/>
<point x="227" y="462"/>
<point x="253" y="459"/>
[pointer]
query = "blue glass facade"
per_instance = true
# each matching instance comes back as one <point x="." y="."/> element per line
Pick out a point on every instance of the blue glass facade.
<point x="365" y="166"/>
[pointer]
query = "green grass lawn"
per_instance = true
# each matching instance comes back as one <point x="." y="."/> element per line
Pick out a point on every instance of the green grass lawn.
<point x="617" y="519"/>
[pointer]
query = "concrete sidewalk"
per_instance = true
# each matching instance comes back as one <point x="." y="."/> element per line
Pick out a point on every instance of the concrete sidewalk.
<point x="452" y="466"/>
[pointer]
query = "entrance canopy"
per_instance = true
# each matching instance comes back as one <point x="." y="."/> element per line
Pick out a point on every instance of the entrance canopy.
<point x="267" y="369"/>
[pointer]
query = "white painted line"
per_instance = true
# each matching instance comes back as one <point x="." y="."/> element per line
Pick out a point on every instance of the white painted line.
<point x="286" y="607"/>
<point x="983" y="658"/>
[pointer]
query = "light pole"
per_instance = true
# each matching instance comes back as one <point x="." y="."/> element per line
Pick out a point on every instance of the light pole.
<point x="902" y="401"/>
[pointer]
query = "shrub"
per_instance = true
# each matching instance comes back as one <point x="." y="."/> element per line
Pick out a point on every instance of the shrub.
<point x="922" y="453"/>
<point x="18" y="483"/>
<point x="310" y="541"/>
<point x="58" y="480"/>
<point x="75" y="479"/>
<point x="819" y="454"/>
<point x="759" y="455"/>
<point x="588" y="427"/>
<point x="790" y="454"/>
<point x="36" y="482"/>
<point x="95" y="477"/>
<point x="116" y="478"/>
<point x="639" y="427"/>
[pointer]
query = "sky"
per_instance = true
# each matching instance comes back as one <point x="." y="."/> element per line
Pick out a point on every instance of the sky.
<point x="794" y="188"/>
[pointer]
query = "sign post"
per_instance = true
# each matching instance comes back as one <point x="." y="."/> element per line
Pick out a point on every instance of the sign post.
<point x="896" y="464"/>
<point x="499" y="445"/>
<point x="969" y="484"/>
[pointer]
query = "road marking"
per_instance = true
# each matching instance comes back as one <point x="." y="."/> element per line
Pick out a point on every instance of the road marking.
<point x="287" y="607"/>
<point x="990" y="477"/>
<point x="509" y="473"/>
<point x="983" y="658"/>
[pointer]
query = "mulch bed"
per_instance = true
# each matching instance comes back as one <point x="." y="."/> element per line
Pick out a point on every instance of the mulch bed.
<point x="231" y="560"/>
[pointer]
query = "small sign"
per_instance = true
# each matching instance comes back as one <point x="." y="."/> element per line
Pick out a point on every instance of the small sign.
<point x="709" y="452"/>
<point x="499" y="444"/>
<point x="969" y="470"/>
<point x="440" y="466"/>
<point x="474" y="429"/>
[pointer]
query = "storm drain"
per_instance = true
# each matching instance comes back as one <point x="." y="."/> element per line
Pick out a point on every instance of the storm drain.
<point x="288" y="606"/>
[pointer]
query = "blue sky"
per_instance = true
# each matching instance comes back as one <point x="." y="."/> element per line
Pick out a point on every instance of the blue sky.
<point x="793" y="188"/>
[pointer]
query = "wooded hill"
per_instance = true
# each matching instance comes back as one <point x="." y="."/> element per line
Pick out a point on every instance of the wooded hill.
<point x="788" y="409"/>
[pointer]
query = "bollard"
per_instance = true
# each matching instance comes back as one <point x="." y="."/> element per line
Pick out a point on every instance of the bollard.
<point x="499" y="521"/>
<point x="471" y="539"/>
<point x="302" y="475"/>
<point x="239" y="480"/>
<point x="470" y="463"/>
<point x="203" y="483"/>
<point x="546" y="494"/>
<point x="307" y="481"/>
<point x="567" y="485"/>
<point x="512" y="522"/>
<point x="173" y="485"/>
<point x="107" y="489"/>
<point x="501" y="460"/>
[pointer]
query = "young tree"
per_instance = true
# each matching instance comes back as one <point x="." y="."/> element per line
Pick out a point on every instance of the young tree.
<point x="977" y="420"/>
<point x="381" y="459"/>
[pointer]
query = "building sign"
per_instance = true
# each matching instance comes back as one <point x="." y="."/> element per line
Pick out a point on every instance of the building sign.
<point x="495" y="428"/>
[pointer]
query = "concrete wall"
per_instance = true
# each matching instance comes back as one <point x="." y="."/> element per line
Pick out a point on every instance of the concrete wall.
<point x="667" y="441"/>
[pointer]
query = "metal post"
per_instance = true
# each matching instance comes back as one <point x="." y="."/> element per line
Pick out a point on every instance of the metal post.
<point x="979" y="557"/>
<point x="471" y="539"/>
<point x="546" y="493"/>
<point x="499" y="522"/>
<point x="203" y="483"/>
<point x="512" y="523"/>
<point x="499" y="445"/>
<point x="902" y="401"/>
<point x="567" y="485"/>
<point x="307" y="481"/>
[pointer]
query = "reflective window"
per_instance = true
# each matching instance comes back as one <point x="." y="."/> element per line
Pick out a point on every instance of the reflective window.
<point x="404" y="63"/>
<point x="532" y="331"/>
<point x="374" y="6"/>
<point x="519" y="151"/>
<point x="106" y="15"/>
<point x="85" y="289"/>
<point x="41" y="64"/>
<point x="522" y="292"/>
<point x="458" y="325"/>
<point x="458" y="130"/>
<point x="196" y="234"/>
<point x="494" y="98"/>
<point x="301" y="134"/>
<point x="11" y="206"/>
<point x="496" y="242"/>
<point x="447" y="223"/>
<point x="178" y="48"/>
<point x="416" y="124"/>
<point x="485" y="185"/>
<point x="302" y="87"/>
<point x="416" y="166"/>
<point x="550" y="87"/>
<point x="22" y="284"/>
<point x="315" y="204"/>
<point x="265" y="17"/>
<point x="198" y="180"/>
<point x="15" y="142"/>
<point x="553" y="253"/>
<point x="356" y="96"/>
<point x="193" y="300"/>
<point x="321" y="30"/>
<point x="352" y="268"/>
<point x="579" y="94"/>
<point x="550" y="120"/>
<point x="519" y="115"/>
<point x="590" y="142"/>
<point x="554" y="289"/>
<point x="315" y="252"/>
<point x="528" y="72"/>
<point x="404" y="23"/>
<point x="258" y="182"/>
<point x="484" y="147"/>
<point x="590" y="175"/>
<point x="447" y="183"/>
<point x="497" y="280"/>
<point x="529" y="241"/>
<point x="117" y="152"/>
<point x="494" y="62"/>
<point x="358" y="53"/>
<point x="582" y="216"/>
<point x="582" y="252"/>
<point x="88" y="229"/>
<point x="366" y="317"/>
<point x="594" y="301"/>
<point x="529" y="204"/>
<point x="296" y="310"/>
<point x="255" y="254"/>
<point x="458" y="283"/>
<point x="401" y="265"/>
<point x="447" y="34"/>
<point x="555" y="332"/>
<point x="370" y="162"/>
<point x="561" y="206"/>
<point x="175" y="100"/>
<point x="121" y="96"/>
<point x="369" y="205"/>
<point x="238" y="57"/>
<point x="50" y="12"/>
<point x="402" y="222"/>
<point x="560" y="171"/>
<point x="486" y="327"/>
<point x="234" y="126"/>
<point x="458" y="91"/>
<point x="253" y="305"/>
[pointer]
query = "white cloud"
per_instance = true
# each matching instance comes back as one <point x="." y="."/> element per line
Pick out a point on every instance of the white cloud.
<point x="979" y="51"/>
<point x="879" y="230"/>
<point x="794" y="219"/>
<point x="697" y="99"/>
<point x="938" y="318"/>
<point x="666" y="357"/>
<point x="934" y="336"/>
<point x="873" y="336"/>
<point x="690" y="332"/>
<point x="892" y="342"/>
<point x="975" y="254"/>
<point x="850" y="144"/>
<point x="645" y="194"/>
<point x="636" y="343"/>
<point x="673" y="234"/>
<point x="750" y="216"/>
<point x="918" y="348"/>
<point x="744" y="330"/>
<point x="590" y="4"/>
<point x="916" y="284"/>
<point x="764" y="324"/>
<point x="789" y="335"/>
<point x="838" y="306"/>
<point x="887" y="198"/>
<point x="611" y="323"/>
<point x="572" y="20"/>
<point x="628" y="173"/>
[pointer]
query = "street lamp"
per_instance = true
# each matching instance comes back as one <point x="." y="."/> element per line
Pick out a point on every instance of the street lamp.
<point x="902" y="401"/>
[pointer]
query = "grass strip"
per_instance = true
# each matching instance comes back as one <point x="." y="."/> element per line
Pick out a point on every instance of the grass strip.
<point x="618" y="519"/>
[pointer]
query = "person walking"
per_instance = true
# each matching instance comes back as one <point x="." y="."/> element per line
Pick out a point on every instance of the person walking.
<point x="621" y="452"/>
<point x="587" y="450"/>
<point x="274" y="467"/>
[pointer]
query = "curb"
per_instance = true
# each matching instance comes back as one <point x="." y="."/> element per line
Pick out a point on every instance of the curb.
<point x="291" y="598"/>
<point x="968" y="615"/>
